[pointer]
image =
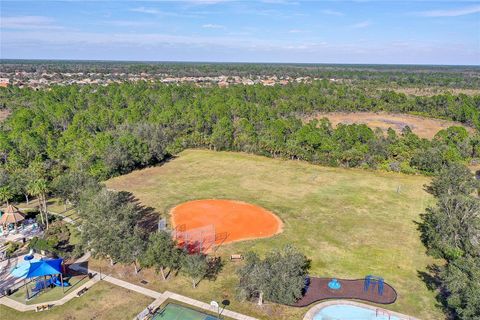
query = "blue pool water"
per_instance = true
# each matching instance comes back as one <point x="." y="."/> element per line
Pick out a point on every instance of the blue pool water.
<point x="349" y="312"/>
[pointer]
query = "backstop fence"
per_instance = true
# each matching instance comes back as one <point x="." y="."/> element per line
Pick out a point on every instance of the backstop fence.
<point x="195" y="240"/>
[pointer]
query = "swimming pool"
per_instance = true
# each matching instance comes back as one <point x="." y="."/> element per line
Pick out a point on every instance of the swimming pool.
<point x="174" y="311"/>
<point x="351" y="312"/>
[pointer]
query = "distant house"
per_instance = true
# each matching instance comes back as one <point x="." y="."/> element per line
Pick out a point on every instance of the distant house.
<point x="4" y="82"/>
<point x="223" y="84"/>
<point x="268" y="82"/>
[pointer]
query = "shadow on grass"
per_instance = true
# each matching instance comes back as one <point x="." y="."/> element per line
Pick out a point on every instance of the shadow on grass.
<point x="433" y="283"/>
<point x="148" y="216"/>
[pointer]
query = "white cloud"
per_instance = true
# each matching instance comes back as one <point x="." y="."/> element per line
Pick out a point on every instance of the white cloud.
<point x="156" y="12"/>
<point x="450" y="12"/>
<point x="362" y="24"/>
<point x="332" y="12"/>
<point x="136" y="46"/>
<point x="280" y="2"/>
<point x="28" y="22"/>
<point x="146" y="10"/>
<point x="296" y="31"/>
<point x="206" y="2"/>
<point x="129" y="23"/>
<point x="213" y="26"/>
<point x="145" y="40"/>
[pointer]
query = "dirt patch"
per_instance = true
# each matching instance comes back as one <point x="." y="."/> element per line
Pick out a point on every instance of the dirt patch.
<point x="235" y="220"/>
<point x="4" y="113"/>
<point x="421" y="126"/>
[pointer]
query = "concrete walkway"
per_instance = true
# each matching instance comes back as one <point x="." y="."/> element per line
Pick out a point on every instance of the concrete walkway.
<point x="23" y="307"/>
<point x="64" y="217"/>
<point x="121" y="283"/>
<point x="133" y="287"/>
<point x="160" y="298"/>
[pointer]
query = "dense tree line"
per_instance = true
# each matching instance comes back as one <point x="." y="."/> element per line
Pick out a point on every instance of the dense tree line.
<point x="107" y="131"/>
<point x="451" y="231"/>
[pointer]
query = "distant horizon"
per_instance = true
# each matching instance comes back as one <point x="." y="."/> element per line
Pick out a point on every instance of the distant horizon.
<point x="2" y="60"/>
<point x="229" y="31"/>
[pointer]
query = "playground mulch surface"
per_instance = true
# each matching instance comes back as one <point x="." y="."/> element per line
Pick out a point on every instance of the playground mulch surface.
<point x="235" y="220"/>
<point x="351" y="289"/>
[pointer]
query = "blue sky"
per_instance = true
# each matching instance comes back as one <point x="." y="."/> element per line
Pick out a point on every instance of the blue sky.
<point x="403" y="32"/>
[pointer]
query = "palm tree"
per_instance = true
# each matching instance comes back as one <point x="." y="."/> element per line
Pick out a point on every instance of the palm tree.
<point x="39" y="188"/>
<point x="5" y="194"/>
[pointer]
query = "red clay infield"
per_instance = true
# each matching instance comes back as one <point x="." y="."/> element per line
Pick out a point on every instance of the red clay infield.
<point x="235" y="219"/>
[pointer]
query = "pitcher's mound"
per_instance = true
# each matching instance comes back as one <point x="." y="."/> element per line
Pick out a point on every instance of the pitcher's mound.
<point x="229" y="220"/>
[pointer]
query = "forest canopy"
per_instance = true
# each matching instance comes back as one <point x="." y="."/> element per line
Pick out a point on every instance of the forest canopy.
<point x="110" y="130"/>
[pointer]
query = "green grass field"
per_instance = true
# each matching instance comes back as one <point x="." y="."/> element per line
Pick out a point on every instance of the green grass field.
<point x="349" y="222"/>
<point x="102" y="301"/>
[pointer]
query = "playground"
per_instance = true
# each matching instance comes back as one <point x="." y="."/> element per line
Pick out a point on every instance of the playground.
<point x="43" y="279"/>
<point x="102" y="301"/>
<point x="371" y="289"/>
<point x="205" y="223"/>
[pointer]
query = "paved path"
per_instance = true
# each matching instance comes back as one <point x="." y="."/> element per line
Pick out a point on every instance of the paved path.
<point x="160" y="298"/>
<point x="23" y="307"/>
<point x="65" y="218"/>
<point x="133" y="287"/>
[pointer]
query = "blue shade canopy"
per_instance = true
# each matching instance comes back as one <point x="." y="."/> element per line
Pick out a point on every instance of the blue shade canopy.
<point x="21" y="270"/>
<point x="44" y="268"/>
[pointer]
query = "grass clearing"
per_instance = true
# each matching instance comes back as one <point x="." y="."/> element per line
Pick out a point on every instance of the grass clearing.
<point x="349" y="222"/>
<point x="103" y="301"/>
<point x="421" y="126"/>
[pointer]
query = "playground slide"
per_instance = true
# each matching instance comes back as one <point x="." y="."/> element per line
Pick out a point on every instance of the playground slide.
<point x="58" y="283"/>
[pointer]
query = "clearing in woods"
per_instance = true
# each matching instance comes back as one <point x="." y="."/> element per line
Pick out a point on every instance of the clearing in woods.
<point x="349" y="222"/>
<point x="421" y="126"/>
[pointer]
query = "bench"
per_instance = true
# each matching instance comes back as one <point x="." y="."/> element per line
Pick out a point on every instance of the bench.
<point x="79" y="293"/>
<point x="42" y="307"/>
<point x="236" y="257"/>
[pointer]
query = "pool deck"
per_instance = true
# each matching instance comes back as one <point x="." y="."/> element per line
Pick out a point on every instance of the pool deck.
<point x="315" y="309"/>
